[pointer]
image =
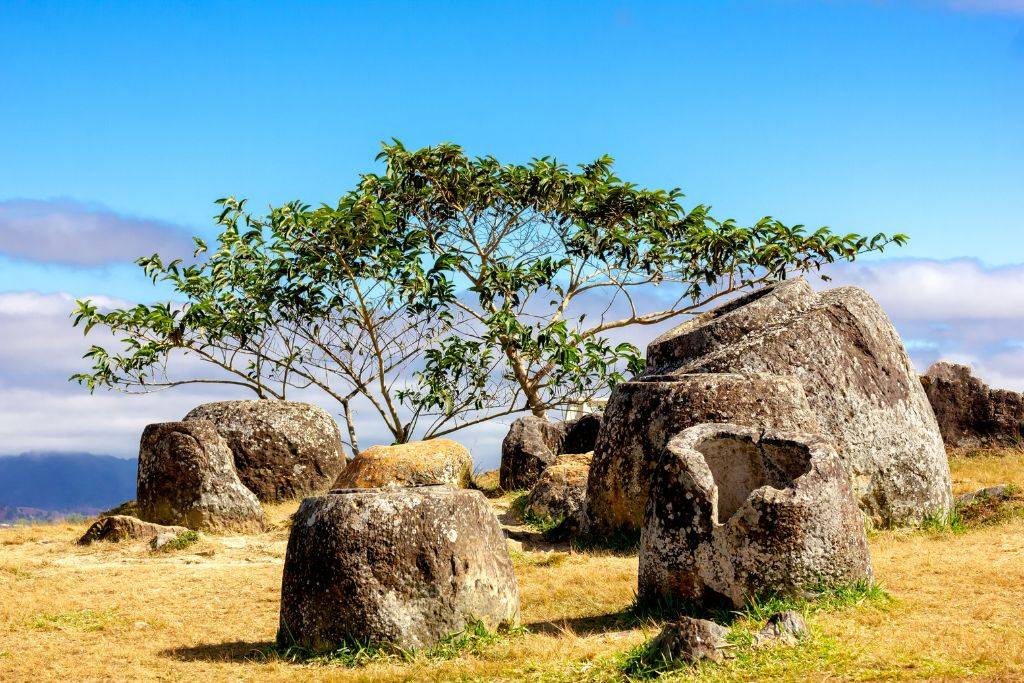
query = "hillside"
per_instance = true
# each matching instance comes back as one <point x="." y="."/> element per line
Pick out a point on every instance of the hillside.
<point x="51" y="485"/>
<point x="210" y="612"/>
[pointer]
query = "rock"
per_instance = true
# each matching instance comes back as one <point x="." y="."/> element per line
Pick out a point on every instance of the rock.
<point x="859" y="382"/>
<point x="282" y="449"/>
<point x="187" y="478"/>
<point x="687" y="640"/>
<point x="734" y="512"/>
<point x="1000" y="492"/>
<point x="728" y="324"/>
<point x="643" y="415"/>
<point x="969" y="413"/>
<point x="162" y="539"/>
<point x="533" y="443"/>
<point x="786" y="628"/>
<point x="118" y="528"/>
<point x="561" y="490"/>
<point x="400" y="566"/>
<point x="419" y="463"/>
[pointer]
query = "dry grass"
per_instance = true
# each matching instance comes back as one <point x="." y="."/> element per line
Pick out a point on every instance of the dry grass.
<point x="209" y="612"/>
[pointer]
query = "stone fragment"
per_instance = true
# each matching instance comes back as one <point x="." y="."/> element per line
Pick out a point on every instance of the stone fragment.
<point x="561" y="490"/>
<point x="969" y="413"/>
<point x="419" y="463"/>
<point x="118" y="528"/>
<point x="785" y="628"/>
<point x="533" y="443"/>
<point x="399" y="566"/>
<point x="859" y="382"/>
<point x="281" y="449"/>
<point x="1000" y="492"/>
<point x="187" y="478"/>
<point x="643" y="415"/>
<point x="688" y="640"/>
<point x="734" y="512"/>
<point x="162" y="539"/>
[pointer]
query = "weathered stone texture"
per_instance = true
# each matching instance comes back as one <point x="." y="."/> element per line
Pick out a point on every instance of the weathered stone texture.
<point x="560" y="492"/>
<point x="187" y="478"/>
<point x="969" y="413"/>
<point x="400" y="566"/>
<point x="734" y="512"/>
<point x="420" y="463"/>
<point x="533" y="443"/>
<point x="118" y="528"/>
<point x="282" y="449"/>
<point x="643" y="415"/>
<point x="859" y="382"/>
<point x="688" y="640"/>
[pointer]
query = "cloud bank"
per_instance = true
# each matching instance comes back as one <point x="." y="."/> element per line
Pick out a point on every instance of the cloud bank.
<point x="958" y="310"/>
<point x="68" y="232"/>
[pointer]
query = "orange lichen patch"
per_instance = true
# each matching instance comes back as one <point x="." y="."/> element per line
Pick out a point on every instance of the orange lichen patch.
<point x="437" y="461"/>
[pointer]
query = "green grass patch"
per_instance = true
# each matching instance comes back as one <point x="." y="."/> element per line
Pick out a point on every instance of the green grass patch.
<point x="747" y="661"/>
<point x="517" y="507"/>
<point x="474" y="638"/>
<point x="80" y="620"/>
<point x="181" y="541"/>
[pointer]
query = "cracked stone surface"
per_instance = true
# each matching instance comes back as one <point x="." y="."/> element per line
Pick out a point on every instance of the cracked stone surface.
<point x="641" y="417"/>
<point x="282" y="449"/>
<point x="187" y="478"/>
<point x="419" y="463"/>
<point x="734" y="512"/>
<point x="858" y="379"/>
<point x="399" y="566"/>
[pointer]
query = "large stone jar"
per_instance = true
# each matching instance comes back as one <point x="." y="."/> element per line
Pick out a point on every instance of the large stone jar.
<point x="398" y="566"/>
<point x="734" y="513"/>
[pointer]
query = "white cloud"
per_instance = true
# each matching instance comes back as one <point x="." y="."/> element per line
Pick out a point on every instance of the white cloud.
<point x="69" y="232"/>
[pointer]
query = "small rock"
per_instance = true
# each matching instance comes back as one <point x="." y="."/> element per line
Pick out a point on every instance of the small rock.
<point x="688" y="640"/>
<point x="1000" y="492"/>
<point x="561" y="490"/>
<point x="162" y="539"/>
<point x="783" y="628"/>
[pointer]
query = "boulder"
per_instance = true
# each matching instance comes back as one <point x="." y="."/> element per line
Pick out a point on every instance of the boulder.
<point x="735" y="512"/>
<point x="419" y="463"/>
<point x="643" y="415"/>
<point x="405" y="567"/>
<point x="533" y="443"/>
<point x="969" y="413"/>
<point x="560" y="492"/>
<point x="859" y="382"/>
<point x="687" y="640"/>
<point x="281" y="449"/>
<point x="187" y="478"/>
<point x="118" y="528"/>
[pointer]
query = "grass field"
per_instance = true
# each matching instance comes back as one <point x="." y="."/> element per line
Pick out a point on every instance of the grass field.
<point x="209" y="612"/>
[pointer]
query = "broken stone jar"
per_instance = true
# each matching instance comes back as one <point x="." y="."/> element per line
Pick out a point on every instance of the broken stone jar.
<point x="735" y="512"/>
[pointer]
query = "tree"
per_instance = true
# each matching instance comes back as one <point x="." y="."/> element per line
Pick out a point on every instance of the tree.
<point x="447" y="291"/>
<point x="554" y="259"/>
<point x="330" y="298"/>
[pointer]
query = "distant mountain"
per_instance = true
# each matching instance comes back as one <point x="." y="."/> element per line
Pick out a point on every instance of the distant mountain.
<point x="52" y="485"/>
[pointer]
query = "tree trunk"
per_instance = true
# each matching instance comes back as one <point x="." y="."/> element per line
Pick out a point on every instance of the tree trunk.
<point x="353" y="441"/>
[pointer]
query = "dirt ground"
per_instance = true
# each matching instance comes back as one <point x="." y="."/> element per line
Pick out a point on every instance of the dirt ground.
<point x="209" y="612"/>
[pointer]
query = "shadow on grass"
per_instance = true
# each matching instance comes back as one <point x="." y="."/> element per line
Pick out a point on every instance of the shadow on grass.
<point x="231" y="651"/>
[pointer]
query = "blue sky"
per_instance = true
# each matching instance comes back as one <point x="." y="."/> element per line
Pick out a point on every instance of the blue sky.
<point x="132" y="118"/>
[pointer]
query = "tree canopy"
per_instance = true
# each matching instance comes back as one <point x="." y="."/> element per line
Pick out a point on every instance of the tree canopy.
<point x="446" y="290"/>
